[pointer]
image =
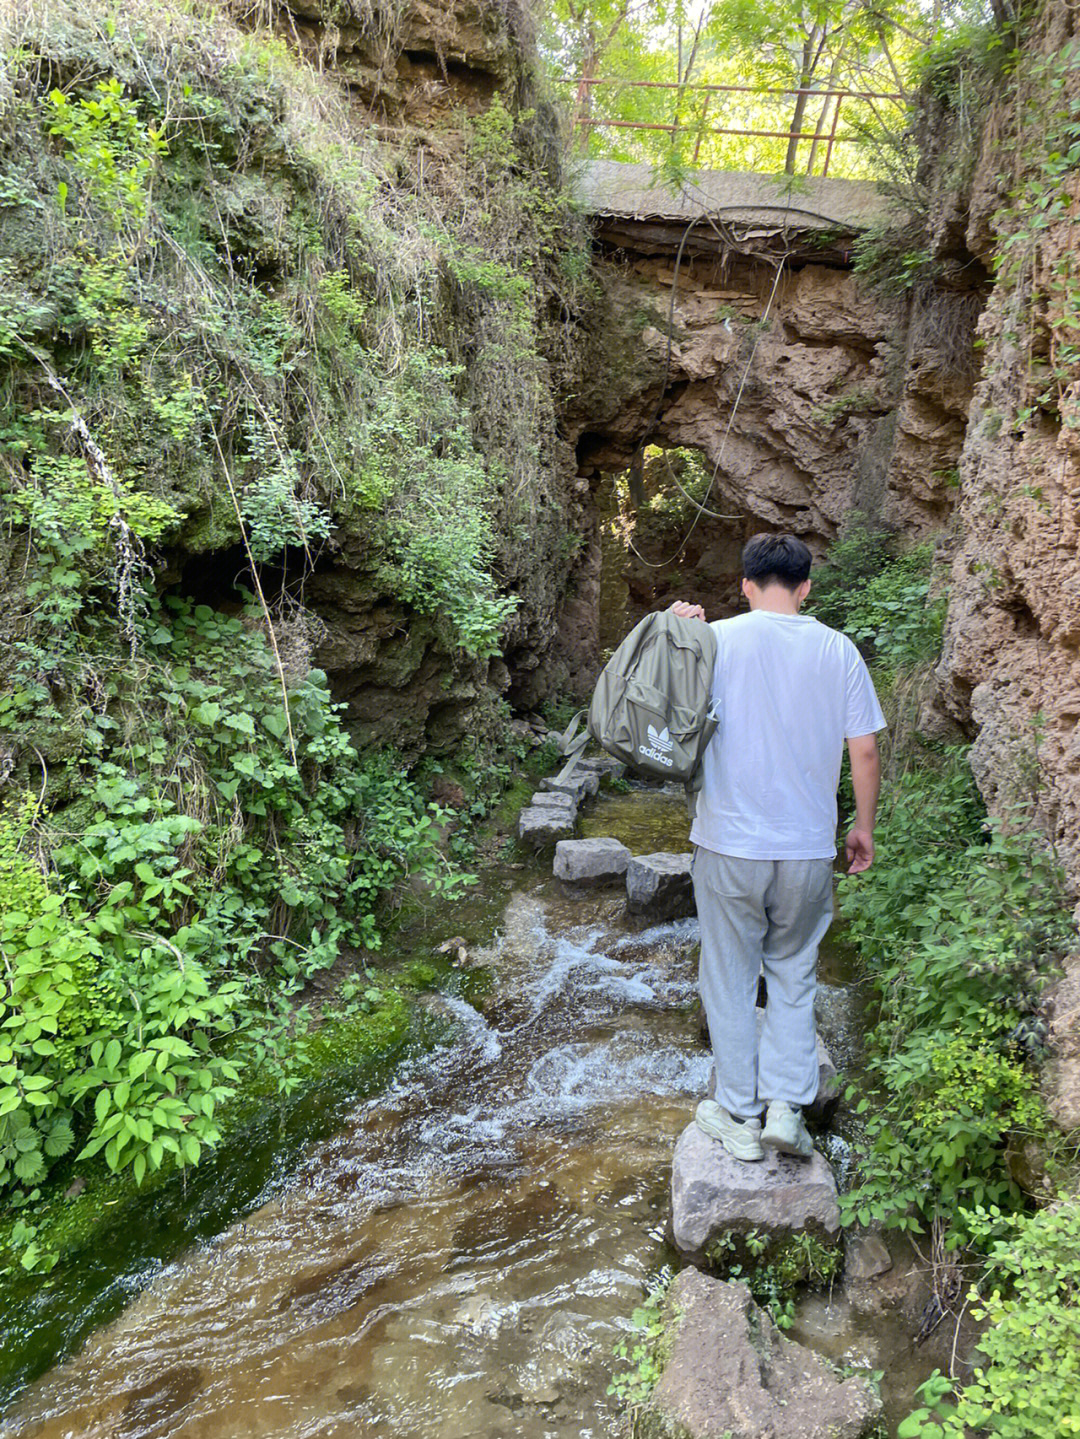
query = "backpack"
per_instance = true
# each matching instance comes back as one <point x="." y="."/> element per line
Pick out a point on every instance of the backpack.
<point x="651" y="706"/>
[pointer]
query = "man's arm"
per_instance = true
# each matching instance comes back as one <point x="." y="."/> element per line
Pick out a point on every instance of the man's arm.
<point x="866" y="781"/>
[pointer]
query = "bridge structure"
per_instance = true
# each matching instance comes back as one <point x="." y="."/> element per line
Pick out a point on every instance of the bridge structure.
<point x="805" y="218"/>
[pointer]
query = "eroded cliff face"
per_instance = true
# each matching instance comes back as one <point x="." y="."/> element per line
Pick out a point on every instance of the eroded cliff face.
<point x="1010" y="671"/>
<point x="415" y="75"/>
<point x="810" y="396"/>
<point x="419" y="64"/>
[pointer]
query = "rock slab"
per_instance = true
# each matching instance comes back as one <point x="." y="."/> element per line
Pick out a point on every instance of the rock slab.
<point x="659" y="886"/>
<point x="578" y="786"/>
<point x="866" y="1255"/>
<point x="714" y="1194"/>
<point x="592" y="862"/>
<point x="605" y="764"/>
<point x="540" y="827"/>
<point x="732" y="1375"/>
<point x="554" y="799"/>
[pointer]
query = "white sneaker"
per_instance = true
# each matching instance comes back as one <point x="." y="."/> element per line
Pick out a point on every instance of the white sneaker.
<point x="742" y="1141"/>
<point x="785" y="1131"/>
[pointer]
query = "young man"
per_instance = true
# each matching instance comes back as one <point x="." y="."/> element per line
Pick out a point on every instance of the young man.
<point x="789" y="691"/>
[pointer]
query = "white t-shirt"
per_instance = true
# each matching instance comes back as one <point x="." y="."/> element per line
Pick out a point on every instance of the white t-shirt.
<point x="788" y="691"/>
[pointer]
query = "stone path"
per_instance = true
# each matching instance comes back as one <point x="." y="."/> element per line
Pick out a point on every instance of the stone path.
<point x="714" y="1195"/>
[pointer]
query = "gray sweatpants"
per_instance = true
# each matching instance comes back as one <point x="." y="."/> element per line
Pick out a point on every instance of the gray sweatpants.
<point x="759" y="914"/>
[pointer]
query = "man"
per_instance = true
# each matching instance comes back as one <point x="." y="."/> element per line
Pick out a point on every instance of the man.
<point x="788" y="691"/>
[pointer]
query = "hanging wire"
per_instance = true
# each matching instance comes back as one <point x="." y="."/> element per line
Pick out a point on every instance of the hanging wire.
<point x="700" y="506"/>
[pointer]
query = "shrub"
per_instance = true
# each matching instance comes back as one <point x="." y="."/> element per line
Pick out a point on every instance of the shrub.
<point x="1028" y="1383"/>
<point x="959" y="929"/>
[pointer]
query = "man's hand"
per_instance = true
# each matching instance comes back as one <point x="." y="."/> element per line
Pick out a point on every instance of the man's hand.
<point x="859" y="847"/>
<point x="686" y="612"/>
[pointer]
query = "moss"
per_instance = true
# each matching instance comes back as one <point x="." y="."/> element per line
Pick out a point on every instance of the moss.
<point x="366" y="1044"/>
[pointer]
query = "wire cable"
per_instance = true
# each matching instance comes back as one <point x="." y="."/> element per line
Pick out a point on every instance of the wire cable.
<point x="699" y="505"/>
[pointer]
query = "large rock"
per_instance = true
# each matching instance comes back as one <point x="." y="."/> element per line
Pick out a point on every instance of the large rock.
<point x="578" y="786"/>
<point x="821" y="1111"/>
<point x="1061" y="1077"/>
<point x="659" y="886"/>
<point x="590" y="861"/>
<point x="541" y="827"/>
<point x="715" y="1197"/>
<point x="866" y="1255"/>
<point x="731" y="1374"/>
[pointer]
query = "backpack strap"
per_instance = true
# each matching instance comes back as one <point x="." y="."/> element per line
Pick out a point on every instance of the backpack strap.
<point x="571" y="746"/>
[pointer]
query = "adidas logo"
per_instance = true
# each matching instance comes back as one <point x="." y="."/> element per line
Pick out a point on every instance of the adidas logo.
<point x="662" y="740"/>
<point x="660" y="746"/>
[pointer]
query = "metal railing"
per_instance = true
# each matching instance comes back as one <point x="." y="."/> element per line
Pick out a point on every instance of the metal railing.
<point x="826" y="131"/>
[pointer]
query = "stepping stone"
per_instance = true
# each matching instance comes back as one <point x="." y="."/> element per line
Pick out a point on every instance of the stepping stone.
<point x="541" y="827"/>
<point x="577" y="786"/>
<point x="605" y="764"/>
<point x="730" y="1372"/>
<point x="554" y="800"/>
<point x="659" y="886"/>
<point x="715" y="1196"/>
<point x="825" y="1103"/>
<point x="590" y="861"/>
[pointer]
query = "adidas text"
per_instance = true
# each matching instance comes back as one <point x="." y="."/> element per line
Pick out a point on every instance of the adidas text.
<point x="654" y="754"/>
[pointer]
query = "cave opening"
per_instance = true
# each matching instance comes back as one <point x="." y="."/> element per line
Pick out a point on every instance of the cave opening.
<point x="657" y="545"/>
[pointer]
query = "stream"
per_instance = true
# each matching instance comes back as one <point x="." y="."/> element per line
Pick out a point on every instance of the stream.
<point x="458" y="1254"/>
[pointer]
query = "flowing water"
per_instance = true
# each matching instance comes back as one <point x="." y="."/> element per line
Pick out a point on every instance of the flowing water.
<point x="460" y="1257"/>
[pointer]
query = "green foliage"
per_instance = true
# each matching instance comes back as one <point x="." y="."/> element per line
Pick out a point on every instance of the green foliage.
<point x="111" y="147"/>
<point x="206" y="872"/>
<point x="852" y="402"/>
<point x="959" y="931"/>
<point x="428" y="474"/>
<point x="644" y="1352"/>
<point x="775" y="1269"/>
<point x="769" y="48"/>
<point x="226" y="322"/>
<point x="881" y="599"/>
<point x="275" y="514"/>
<point x="1028" y="1383"/>
<point x="892" y="258"/>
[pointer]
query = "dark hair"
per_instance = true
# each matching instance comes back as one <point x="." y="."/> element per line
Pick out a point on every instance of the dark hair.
<point x="776" y="559"/>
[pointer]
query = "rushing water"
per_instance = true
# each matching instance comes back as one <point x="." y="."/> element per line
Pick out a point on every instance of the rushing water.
<point x="459" y="1259"/>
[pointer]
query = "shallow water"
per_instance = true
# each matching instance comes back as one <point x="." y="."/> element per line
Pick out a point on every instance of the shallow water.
<point x="460" y="1257"/>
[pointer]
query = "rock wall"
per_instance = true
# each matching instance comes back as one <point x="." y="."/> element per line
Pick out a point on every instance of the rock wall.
<point x="1010" y="672"/>
<point x="417" y="64"/>
<point x="810" y="402"/>
<point x="414" y="73"/>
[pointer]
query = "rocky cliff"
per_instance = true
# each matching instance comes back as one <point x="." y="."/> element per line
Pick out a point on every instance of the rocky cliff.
<point x="1010" y="672"/>
<point x="807" y="395"/>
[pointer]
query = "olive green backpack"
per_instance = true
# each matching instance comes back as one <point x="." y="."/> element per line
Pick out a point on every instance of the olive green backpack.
<point x="651" y="708"/>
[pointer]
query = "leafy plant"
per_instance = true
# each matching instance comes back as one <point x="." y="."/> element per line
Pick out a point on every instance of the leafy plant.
<point x="644" y="1351"/>
<point x="1028" y="1383"/>
<point x="960" y="930"/>
<point x="880" y="599"/>
<point x="110" y="145"/>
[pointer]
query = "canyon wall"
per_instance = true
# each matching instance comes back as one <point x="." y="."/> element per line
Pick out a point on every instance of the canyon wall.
<point x="810" y="397"/>
<point x="1010" y="671"/>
